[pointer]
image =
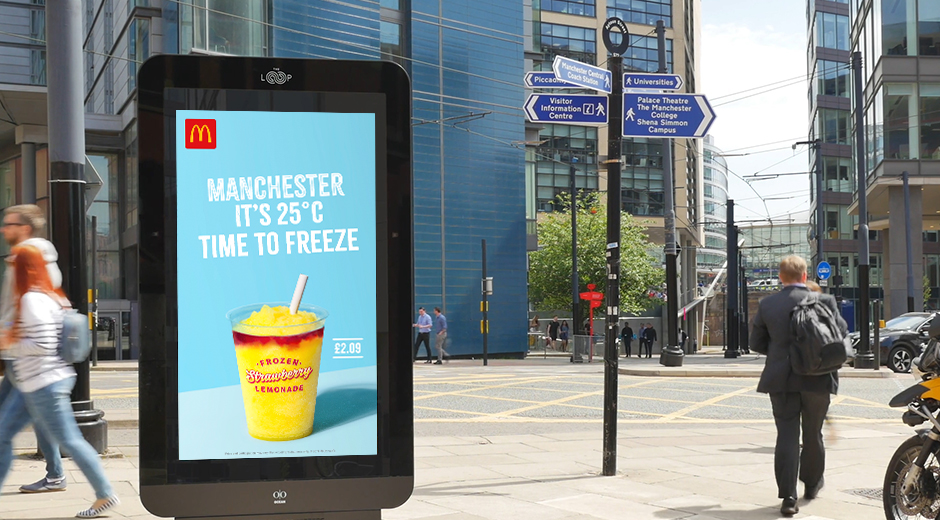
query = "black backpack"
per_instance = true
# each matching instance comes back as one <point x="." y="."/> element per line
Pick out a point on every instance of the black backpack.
<point x="818" y="346"/>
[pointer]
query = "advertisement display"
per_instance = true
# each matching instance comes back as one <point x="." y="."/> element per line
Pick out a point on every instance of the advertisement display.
<point x="266" y="199"/>
<point x="275" y="259"/>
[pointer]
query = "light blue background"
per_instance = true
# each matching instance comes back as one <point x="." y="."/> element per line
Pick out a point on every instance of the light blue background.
<point x="250" y="144"/>
<point x="344" y="422"/>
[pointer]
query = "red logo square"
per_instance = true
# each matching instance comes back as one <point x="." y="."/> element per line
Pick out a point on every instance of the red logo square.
<point x="200" y="134"/>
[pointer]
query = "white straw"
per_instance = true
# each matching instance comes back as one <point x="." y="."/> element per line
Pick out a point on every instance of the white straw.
<point x="298" y="293"/>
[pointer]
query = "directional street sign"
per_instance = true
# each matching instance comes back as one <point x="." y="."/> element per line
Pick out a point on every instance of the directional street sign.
<point x="566" y="109"/>
<point x="546" y="80"/>
<point x="666" y="115"/>
<point x="582" y="74"/>
<point x="652" y="81"/>
<point x="823" y="270"/>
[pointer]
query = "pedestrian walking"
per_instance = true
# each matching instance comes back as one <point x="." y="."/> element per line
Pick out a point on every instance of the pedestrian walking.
<point x="798" y="402"/>
<point x="683" y="339"/>
<point x="424" y="334"/>
<point x="650" y="334"/>
<point x="626" y="335"/>
<point x="20" y="224"/>
<point x="641" y="340"/>
<point x="44" y="380"/>
<point x="533" y="330"/>
<point x="552" y="332"/>
<point x="563" y="333"/>
<point x="440" y="335"/>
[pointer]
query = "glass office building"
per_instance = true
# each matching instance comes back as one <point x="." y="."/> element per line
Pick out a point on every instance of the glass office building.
<point x="898" y="42"/>
<point x="573" y="28"/>
<point x="465" y="59"/>
<point x="712" y="257"/>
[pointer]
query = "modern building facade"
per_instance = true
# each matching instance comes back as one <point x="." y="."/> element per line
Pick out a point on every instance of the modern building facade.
<point x="465" y="59"/>
<point x="831" y="126"/>
<point x="714" y="254"/>
<point x="900" y="46"/>
<point x="765" y="245"/>
<point x="573" y="28"/>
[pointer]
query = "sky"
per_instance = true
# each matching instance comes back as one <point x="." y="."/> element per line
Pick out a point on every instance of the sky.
<point x="748" y="44"/>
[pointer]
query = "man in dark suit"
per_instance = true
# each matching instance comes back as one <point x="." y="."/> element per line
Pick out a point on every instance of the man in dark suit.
<point x="793" y="397"/>
<point x="649" y="333"/>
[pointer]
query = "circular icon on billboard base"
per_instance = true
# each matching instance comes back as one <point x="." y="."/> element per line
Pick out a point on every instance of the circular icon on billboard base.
<point x="616" y="23"/>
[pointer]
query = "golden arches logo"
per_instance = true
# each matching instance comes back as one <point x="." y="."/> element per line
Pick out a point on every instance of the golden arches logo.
<point x="200" y="134"/>
<point x="201" y="128"/>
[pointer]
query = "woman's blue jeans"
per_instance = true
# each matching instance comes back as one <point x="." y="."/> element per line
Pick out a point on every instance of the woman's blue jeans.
<point x="51" y="410"/>
<point x="49" y="450"/>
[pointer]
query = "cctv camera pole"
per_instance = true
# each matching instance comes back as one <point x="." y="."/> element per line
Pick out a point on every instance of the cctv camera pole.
<point x="66" y="123"/>
<point x="865" y="357"/>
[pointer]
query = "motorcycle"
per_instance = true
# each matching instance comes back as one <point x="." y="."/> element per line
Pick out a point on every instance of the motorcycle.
<point x="912" y="480"/>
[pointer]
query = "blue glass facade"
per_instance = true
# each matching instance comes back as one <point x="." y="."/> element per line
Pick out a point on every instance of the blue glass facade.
<point x="466" y="57"/>
<point x="469" y="181"/>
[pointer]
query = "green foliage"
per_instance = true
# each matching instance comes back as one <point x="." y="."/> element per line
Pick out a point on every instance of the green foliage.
<point x="550" y="266"/>
<point x="926" y="291"/>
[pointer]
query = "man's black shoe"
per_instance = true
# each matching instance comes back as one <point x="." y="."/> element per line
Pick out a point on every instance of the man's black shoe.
<point x="789" y="507"/>
<point x="813" y="491"/>
<point x="438" y="362"/>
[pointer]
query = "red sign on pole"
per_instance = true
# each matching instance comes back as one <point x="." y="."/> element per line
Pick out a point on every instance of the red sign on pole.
<point x="595" y="298"/>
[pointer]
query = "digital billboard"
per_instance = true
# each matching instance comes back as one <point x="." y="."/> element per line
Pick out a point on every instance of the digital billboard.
<point x="266" y="199"/>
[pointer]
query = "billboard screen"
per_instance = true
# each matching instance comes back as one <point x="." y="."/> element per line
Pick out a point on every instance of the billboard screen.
<point x="266" y="200"/>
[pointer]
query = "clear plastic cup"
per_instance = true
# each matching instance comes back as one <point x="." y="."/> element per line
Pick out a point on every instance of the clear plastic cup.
<point x="279" y="368"/>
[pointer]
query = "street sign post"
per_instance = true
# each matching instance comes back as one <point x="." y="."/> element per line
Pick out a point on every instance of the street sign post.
<point x="666" y="115"/>
<point x="652" y="81"/>
<point x="566" y="109"/>
<point x="536" y="79"/>
<point x="823" y="270"/>
<point x="582" y="74"/>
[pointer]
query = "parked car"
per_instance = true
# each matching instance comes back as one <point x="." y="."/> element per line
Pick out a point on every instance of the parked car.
<point x="765" y="285"/>
<point x="902" y="339"/>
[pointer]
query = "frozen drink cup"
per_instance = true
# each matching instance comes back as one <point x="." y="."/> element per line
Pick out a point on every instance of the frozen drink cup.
<point x="278" y="357"/>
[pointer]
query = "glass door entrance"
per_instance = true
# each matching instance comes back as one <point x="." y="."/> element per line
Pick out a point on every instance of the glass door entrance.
<point x="113" y="336"/>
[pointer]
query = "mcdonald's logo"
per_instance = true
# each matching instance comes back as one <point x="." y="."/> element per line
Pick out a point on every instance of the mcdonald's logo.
<point x="200" y="134"/>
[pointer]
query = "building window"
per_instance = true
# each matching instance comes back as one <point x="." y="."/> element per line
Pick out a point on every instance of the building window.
<point x="578" y="7"/>
<point x="832" y="31"/>
<point x="643" y="54"/>
<point x="898" y="28"/>
<point x="928" y="27"/>
<point x="108" y="25"/>
<point x="642" y="176"/>
<point x="832" y="78"/>
<point x="390" y="4"/>
<point x="643" y="12"/>
<point x="37" y="57"/>
<point x="837" y="174"/>
<point x="390" y="41"/>
<point x="833" y="125"/>
<point x="138" y="49"/>
<point x="562" y="148"/>
<point x="107" y="235"/>
<point x="109" y="88"/>
<point x="224" y="26"/>
<point x="929" y="122"/>
<point x="131" y="191"/>
<point x="899" y="107"/>
<point x="571" y="42"/>
<point x="839" y="225"/>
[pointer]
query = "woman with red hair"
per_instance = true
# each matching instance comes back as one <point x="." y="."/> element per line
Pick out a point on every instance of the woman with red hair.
<point x="44" y="379"/>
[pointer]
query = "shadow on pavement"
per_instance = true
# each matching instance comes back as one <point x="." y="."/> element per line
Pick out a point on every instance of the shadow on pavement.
<point x="717" y="511"/>
<point x="434" y="490"/>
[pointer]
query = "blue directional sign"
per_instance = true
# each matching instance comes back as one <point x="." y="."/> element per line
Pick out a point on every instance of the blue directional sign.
<point x="546" y="80"/>
<point x="652" y="81"/>
<point x="823" y="270"/>
<point x="566" y="109"/>
<point x="581" y="74"/>
<point x="666" y="115"/>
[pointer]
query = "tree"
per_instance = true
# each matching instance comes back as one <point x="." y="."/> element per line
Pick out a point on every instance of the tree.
<point x="550" y="266"/>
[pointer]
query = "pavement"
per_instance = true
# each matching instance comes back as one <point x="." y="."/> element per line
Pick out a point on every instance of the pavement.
<point x="529" y="459"/>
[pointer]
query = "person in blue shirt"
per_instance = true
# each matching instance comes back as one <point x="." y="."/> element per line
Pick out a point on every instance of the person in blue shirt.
<point x="440" y="329"/>
<point x="424" y="334"/>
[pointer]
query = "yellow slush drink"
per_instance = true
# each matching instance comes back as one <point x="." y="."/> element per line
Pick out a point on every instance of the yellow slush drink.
<point x="278" y="357"/>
